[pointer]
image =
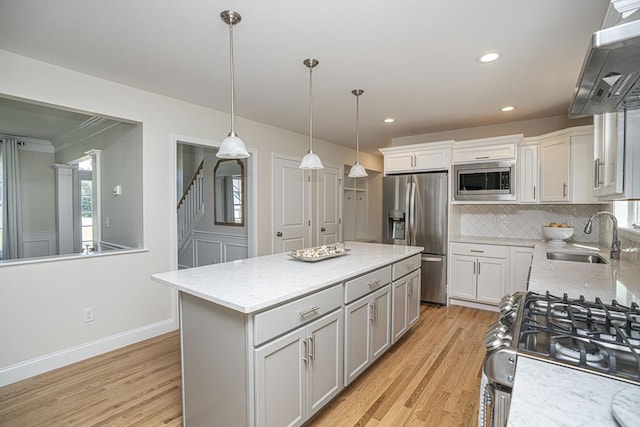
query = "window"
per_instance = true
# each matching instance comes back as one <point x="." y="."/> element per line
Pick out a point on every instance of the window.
<point x="86" y="205"/>
<point x="628" y="214"/>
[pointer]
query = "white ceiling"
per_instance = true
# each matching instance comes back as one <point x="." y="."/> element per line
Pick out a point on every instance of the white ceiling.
<point x="414" y="59"/>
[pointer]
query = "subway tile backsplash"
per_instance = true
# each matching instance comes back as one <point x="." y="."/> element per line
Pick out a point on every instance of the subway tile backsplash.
<point x="524" y="221"/>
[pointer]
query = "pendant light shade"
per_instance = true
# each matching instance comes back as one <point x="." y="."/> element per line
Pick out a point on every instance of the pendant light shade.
<point x="357" y="170"/>
<point x="311" y="159"/>
<point x="232" y="146"/>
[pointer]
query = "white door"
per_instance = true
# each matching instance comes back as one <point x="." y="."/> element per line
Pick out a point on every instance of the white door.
<point x="281" y="381"/>
<point x="329" y="212"/>
<point x="325" y="377"/>
<point x="381" y="322"/>
<point x="554" y="170"/>
<point x="463" y="276"/>
<point x="357" y="338"/>
<point x="291" y="222"/>
<point x="413" y="298"/>
<point x="400" y="292"/>
<point x="491" y="280"/>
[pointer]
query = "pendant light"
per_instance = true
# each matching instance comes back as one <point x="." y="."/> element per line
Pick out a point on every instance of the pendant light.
<point x="311" y="160"/>
<point x="357" y="170"/>
<point x="232" y="146"/>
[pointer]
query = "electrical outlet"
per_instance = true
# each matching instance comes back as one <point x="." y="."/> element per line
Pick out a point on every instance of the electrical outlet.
<point x="87" y="314"/>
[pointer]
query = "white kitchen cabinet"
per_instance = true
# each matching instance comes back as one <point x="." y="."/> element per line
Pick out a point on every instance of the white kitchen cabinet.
<point x="297" y="374"/>
<point x="554" y="169"/>
<point x="478" y="272"/>
<point x="519" y="266"/>
<point x="417" y="157"/>
<point x="406" y="304"/>
<point x="486" y="149"/>
<point x="616" y="159"/>
<point x="367" y="331"/>
<point x="528" y="173"/>
<point x="566" y="167"/>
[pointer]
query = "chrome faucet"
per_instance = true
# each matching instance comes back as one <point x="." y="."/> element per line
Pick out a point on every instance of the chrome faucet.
<point x="615" y="243"/>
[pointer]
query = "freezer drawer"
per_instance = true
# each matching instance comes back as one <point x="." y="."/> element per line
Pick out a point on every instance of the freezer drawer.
<point x="433" y="287"/>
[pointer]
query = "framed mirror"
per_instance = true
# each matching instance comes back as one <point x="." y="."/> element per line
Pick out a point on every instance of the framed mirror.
<point x="229" y="192"/>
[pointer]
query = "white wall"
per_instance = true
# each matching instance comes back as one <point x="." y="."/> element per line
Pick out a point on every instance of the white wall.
<point x="41" y="303"/>
<point x="532" y="127"/>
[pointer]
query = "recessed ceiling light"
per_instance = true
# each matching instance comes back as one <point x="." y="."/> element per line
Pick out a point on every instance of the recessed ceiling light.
<point x="389" y="120"/>
<point x="489" y="57"/>
<point x="508" y="108"/>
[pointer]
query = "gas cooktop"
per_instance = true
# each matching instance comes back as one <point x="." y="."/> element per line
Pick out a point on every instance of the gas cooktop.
<point x="590" y="335"/>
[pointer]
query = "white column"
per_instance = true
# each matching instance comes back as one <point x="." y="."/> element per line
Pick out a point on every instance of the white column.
<point x="64" y="208"/>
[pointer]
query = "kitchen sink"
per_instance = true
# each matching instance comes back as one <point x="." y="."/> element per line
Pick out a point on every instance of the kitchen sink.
<point x="576" y="257"/>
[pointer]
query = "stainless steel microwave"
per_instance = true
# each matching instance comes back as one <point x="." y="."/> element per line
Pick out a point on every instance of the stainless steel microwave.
<point x="490" y="181"/>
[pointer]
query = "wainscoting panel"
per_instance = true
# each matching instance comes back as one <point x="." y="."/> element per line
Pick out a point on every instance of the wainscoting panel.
<point x="39" y="244"/>
<point x="205" y="247"/>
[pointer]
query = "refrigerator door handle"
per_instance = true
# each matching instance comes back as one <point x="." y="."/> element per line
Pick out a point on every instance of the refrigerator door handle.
<point x="412" y="212"/>
<point x="409" y="219"/>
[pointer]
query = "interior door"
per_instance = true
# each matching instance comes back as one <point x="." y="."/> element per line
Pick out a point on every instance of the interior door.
<point x="329" y="212"/>
<point x="291" y="223"/>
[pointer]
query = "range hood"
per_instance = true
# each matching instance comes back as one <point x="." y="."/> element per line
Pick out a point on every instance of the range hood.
<point x="610" y="75"/>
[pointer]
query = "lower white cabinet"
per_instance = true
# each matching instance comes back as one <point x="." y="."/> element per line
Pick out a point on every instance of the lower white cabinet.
<point x="406" y="304"/>
<point x="478" y="272"/>
<point x="519" y="266"/>
<point x="297" y="374"/>
<point x="367" y="331"/>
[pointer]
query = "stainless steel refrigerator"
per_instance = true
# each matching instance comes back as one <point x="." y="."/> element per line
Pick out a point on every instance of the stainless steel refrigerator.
<point x="415" y="213"/>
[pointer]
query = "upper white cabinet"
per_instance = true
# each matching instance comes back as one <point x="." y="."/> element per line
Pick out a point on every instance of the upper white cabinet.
<point x="616" y="158"/>
<point x="417" y="157"/>
<point x="566" y="175"/>
<point x="486" y="149"/>
<point x="528" y="168"/>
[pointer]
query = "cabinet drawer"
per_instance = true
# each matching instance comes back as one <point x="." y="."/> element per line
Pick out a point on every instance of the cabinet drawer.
<point x="274" y="322"/>
<point x="475" y="249"/>
<point x="369" y="282"/>
<point x="406" y="266"/>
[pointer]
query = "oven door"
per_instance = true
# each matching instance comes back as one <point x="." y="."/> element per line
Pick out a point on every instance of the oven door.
<point x="495" y="406"/>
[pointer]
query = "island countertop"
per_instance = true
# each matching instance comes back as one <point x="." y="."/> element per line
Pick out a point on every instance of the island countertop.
<point x="253" y="284"/>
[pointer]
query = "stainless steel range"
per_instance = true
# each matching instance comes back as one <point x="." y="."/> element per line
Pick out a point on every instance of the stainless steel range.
<point x="591" y="336"/>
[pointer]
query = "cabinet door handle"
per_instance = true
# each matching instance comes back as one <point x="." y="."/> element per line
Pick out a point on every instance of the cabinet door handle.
<point x="534" y="191"/>
<point x="564" y="190"/>
<point x="479" y="267"/>
<point x="474" y="268"/>
<point x="304" y="352"/>
<point x="371" y="311"/>
<point x="596" y="180"/>
<point x="310" y="311"/>
<point x="375" y="311"/>
<point x="312" y="348"/>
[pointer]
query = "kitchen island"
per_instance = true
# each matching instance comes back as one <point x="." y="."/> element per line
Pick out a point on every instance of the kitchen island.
<point x="270" y="340"/>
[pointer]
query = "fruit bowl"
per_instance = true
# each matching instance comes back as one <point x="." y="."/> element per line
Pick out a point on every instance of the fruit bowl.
<point x="557" y="235"/>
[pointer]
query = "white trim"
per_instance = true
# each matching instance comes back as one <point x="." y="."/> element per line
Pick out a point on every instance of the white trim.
<point x="69" y="257"/>
<point x="629" y="233"/>
<point x="58" y="359"/>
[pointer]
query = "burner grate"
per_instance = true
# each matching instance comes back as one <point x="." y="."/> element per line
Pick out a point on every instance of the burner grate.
<point x="593" y="335"/>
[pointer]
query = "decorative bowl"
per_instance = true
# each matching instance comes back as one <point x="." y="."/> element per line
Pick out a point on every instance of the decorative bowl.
<point x="557" y="235"/>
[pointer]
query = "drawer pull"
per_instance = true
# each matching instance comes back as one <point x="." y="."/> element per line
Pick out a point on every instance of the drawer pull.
<point x="476" y="250"/>
<point x="482" y="157"/>
<point x="374" y="283"/>
<point x="310" y="311"/>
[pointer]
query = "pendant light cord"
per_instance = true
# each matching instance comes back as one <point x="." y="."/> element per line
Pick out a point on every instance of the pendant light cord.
<point x="233" y="129"/>
<point x="311" y="109"/>
<point x="357" y="136"/>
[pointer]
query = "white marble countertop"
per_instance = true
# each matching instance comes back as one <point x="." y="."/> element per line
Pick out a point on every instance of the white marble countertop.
<point x="253" y="284"/>
<point x="545" y="394"/>
<point x="551" y="395"/>
<point x="504" y="241"/>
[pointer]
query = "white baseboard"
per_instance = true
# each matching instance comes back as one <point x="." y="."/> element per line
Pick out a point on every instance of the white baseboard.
<point x="23" y="370"/>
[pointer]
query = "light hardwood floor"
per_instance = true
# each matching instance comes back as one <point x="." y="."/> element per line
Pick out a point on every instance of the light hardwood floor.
<point x="430" y="378"/>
